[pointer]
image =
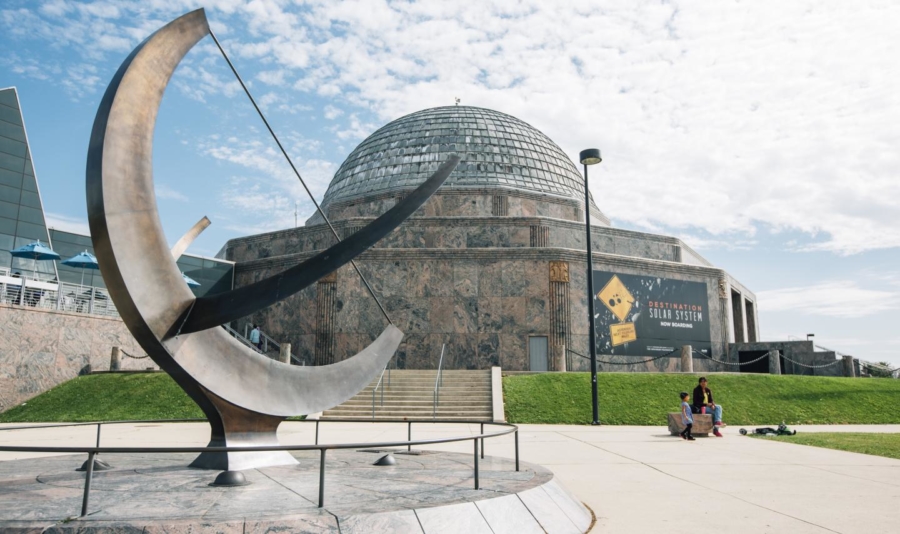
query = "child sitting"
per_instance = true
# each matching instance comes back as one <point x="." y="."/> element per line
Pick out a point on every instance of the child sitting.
<point x="686" y="417"/>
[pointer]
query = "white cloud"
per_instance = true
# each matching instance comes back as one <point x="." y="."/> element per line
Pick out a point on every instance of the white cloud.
<point x="332" y="112"/>
<point x="264" y="196"/>
<point x="166" y="192"/>
<point x="842" y="299"/>
<point x="723" y="119"/>
<point x="67" y="223"/>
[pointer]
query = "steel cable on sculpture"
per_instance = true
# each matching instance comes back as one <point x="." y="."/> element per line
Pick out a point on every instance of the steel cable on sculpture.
<point x="244" y="394"/>
<point x="294" y="168"/>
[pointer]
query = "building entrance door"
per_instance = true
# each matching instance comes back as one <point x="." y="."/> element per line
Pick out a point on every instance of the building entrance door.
<point x="537" y="353"/>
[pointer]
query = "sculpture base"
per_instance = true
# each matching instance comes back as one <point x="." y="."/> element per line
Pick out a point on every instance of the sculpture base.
<point x="238" y="427"/>
<point x="431" y="492"/>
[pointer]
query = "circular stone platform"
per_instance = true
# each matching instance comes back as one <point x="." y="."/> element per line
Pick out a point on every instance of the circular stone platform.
<point x="428" y="492"/>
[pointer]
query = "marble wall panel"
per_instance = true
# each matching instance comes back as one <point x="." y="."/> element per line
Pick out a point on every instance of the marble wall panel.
<point x="465" y="279"/>
<point x="513" y="352"/>
<point x="537" y="315"/>
<point x="519" y="236"/>
<point x="432" y="279"/>
<point x="513" y="314"/>
<point x="488" y="351"/>
<point x="40" y="349"/>
<point x="490" y="314"/>
<point x="442" y="309"/>
<point x="490" y="279"/>
<point x="487" y="237"/>
<point x="465" y="315"/>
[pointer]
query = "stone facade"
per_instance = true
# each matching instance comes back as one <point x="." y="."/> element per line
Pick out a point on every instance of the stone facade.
<point x="40" y="349"/>
<point x="483" y="302"/>
<point x="495" y="257"/>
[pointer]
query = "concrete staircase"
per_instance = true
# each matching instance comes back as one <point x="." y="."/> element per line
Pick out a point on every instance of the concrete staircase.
<point x="409" y="396"/>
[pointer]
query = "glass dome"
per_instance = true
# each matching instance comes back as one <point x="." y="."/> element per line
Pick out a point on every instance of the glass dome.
<point x="497" y="150"/>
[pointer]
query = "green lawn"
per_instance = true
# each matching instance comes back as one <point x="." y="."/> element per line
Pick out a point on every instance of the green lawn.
<point x="107" y="397"/>
<point x="644" y="398"/>
<point x="887" y="445"/>
<point x="625" y="399"/>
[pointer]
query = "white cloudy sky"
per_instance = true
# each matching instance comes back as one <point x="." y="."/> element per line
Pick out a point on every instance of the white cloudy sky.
<point x="764" y="133"/>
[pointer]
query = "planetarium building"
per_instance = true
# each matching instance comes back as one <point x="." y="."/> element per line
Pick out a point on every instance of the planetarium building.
<point x="493" y="267"/>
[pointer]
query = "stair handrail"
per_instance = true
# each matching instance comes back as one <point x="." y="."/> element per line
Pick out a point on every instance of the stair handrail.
<point x="266" y="340"/>
<point x="378" y="385"/>
<point x="237" y="335"/>
<point x="438" y="381"/>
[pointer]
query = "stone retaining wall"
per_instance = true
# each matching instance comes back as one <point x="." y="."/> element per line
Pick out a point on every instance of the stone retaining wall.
<point x="40" y="349"/>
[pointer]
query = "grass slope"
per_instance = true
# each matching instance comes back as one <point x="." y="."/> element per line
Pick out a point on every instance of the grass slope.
<point x="644" y="398"/>
<point x="107" y="397"/>
<point x="887" y="445"/>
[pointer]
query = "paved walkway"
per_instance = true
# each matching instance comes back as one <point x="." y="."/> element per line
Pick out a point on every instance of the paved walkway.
<point x="636" y="479"/>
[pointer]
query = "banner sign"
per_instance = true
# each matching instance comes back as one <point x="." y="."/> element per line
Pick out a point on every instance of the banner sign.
<point x="648" y="315"/>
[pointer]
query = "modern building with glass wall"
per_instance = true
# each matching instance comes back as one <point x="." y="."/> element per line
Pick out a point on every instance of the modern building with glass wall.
<point x="50" y="284"/>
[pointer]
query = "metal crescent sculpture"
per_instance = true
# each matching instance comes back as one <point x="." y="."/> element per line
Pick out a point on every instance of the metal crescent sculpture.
<point x="245" y="395"/>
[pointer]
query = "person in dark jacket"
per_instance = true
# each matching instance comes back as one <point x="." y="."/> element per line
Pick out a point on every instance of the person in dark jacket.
<point x="703" y="398"/>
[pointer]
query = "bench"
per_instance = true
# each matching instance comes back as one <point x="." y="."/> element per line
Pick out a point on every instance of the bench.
<point x="703" y="424"/>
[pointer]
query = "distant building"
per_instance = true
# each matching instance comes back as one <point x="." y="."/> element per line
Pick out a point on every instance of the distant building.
<point x="493" y="265"/>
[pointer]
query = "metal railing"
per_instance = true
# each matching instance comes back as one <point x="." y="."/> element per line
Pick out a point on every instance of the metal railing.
<point x="237" y="335"/>
<point x="92" y="452"/>
<point x="60" y="296"/>
<point x="387" y="368"/>
<point x="267" y="343"/>
<point x="438" y="382"/>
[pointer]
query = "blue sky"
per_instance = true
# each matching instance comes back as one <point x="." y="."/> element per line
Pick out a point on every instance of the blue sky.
<point x="762" y="133"/>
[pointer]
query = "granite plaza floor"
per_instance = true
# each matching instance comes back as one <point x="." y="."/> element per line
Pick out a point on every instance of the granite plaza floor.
<point x="636" y="479"/>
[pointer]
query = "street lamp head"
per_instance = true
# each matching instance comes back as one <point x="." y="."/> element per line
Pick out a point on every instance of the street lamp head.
<point x="590" y="156"/>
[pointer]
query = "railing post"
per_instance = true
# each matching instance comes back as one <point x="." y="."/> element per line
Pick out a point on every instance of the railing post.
<point x="476" y="462"/>
<point x="322" y="478"/>
<point x="91" y="307"/>
<point x="482" y="441"/>
<point x="409" y="434"/>
<point x="517" y="448"/>
<point x="317" y="431"/>
<point x="87" y="483"/>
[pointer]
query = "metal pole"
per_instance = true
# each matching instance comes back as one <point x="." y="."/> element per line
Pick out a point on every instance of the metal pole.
<point x="590" y="290"/>
<point x="517" y="449"/>
<point x="87" y="483"/>
<point x="98" y="435"/>
<point x="322" y="478"/>
<point x="482" y="441"/>
<point x="409" y="434"/>
<point x="476" y="463"/>
<point x="317" y="431"/>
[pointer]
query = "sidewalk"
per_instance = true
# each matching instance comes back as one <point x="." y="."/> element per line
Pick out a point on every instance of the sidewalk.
<point x="636" y="479"/>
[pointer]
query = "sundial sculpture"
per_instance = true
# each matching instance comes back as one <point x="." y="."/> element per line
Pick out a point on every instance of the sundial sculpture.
<point x="245" y="395"/>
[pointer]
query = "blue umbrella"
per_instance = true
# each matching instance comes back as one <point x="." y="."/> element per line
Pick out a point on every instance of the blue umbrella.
<point x="190" y="281"/>
<point x="84" y="260"/>
<point x="37" y="251"/>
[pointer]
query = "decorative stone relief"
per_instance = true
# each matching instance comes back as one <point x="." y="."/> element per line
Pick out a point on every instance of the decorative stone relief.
<point x="500" y="207"/>
<point x="540" y="236"/>
<point x="326" y="291"/>
<point x="559" y="271"/>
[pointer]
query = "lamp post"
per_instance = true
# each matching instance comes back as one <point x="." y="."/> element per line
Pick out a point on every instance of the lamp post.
<point x="590" y="156"/>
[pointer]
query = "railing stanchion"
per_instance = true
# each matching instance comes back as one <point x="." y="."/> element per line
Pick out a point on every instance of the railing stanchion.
<point x="482" y="441"/>
<point x="476" y="462"/>
<point x="322" y="478"/>
<point x="409" y="435"/>
<point x="317" y="431"/>
<point x="516" y="433"/>
<point x="87" y="483"/>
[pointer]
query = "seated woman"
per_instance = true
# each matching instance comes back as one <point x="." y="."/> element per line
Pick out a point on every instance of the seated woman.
<point x="703" y="398"/>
